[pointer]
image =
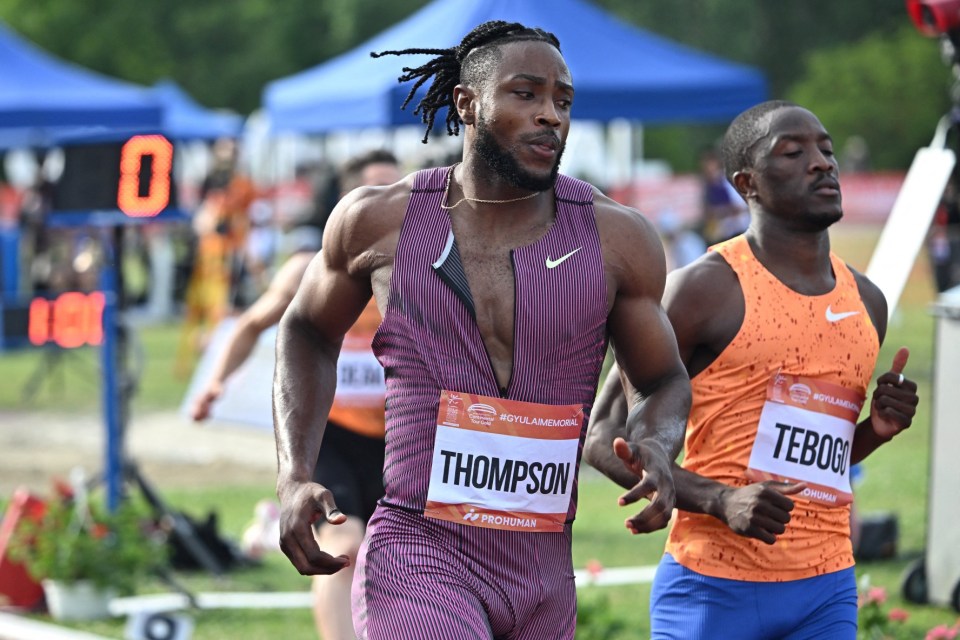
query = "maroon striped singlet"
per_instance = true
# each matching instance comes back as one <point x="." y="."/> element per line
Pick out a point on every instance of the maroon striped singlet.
<point x="423" y="578"/>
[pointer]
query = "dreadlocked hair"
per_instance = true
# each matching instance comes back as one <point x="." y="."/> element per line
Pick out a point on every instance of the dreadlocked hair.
<point x="448" y="68"/>
<point x="744" y="133"/>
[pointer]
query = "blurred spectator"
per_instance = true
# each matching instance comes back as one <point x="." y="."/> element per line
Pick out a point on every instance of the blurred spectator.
<point x="221" y="226"/>
<point x="37" y="263"/>
<point x="944" y="239"/>
<point x="723" y="212"/>
<point x="681" y="244"/>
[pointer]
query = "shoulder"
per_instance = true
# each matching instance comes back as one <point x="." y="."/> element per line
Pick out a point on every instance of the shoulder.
<point x="365" y="224"/>
<point x="630" y="243"/>
<point x="874" y="301"/>
<point x="704" y="300"/>
<point x="704" y="283"/>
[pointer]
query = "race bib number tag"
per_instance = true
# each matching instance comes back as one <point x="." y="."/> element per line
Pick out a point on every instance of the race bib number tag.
<point x="805" y="434"/>
<point x="503" y="464"/>
<point x="359" y="378"/>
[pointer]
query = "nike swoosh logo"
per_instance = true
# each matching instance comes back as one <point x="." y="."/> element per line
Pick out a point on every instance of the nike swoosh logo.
<point x="837" y="317"/>
<point x="551" y="264"/>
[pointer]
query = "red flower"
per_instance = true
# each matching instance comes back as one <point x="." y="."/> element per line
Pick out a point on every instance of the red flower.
<point x="898" y="615"/>
<point x="594" y="568"/>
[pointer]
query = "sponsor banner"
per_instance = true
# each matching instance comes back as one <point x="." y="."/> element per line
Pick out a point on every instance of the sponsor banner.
<point x="497" y="456"/>
<point x="470" y="411"/>
<point x="494" y="519"/>
<point x="815" y="395"/>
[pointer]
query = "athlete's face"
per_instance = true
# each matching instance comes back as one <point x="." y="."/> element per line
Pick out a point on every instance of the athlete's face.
<point x="795" y="174"/>
<point x="523" y="115"/>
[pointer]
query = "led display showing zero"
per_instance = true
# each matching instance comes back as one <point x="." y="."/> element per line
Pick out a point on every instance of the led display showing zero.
<point x="134" y="198"/>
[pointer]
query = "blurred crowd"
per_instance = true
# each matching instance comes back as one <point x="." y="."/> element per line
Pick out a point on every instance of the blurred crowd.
<point x="241" y="231"/>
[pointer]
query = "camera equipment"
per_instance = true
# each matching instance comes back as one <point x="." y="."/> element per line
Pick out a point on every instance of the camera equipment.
<point x="934" y="17"/>
<point x="939" y="19"/>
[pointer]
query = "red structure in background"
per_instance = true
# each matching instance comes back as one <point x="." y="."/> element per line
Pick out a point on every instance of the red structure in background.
<point x="867" y="197"/>
<point x="17" y="587"/>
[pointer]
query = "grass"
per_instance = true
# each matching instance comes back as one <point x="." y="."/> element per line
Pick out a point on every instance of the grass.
<point x="896" y="480"/>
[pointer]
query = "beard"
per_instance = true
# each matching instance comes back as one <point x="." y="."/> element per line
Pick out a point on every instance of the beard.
<point x="505" y="165"/>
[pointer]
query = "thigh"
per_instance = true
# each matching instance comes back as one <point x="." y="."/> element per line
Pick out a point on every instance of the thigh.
<point x="406" y="588"/>
<point x="685" y="605"/>
<point x="832" y="609"/>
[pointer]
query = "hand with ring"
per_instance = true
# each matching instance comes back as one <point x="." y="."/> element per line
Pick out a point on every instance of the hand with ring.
<point x="895" y="400"/>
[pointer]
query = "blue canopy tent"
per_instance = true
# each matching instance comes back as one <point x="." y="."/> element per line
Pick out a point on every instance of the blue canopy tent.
<point x="184" y="119"/>
<point x="42" y="97"/>
<point x="619" y="71"/>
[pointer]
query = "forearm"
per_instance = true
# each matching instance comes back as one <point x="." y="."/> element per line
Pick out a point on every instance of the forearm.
<point x="660" y="415"/>
<point x="599" y="454"/>
<point x="698" y="494"/>
<point x="304" y="384"/>
<point x="239" y="348"/>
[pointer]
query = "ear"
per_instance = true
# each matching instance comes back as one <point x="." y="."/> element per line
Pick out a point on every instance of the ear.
<point x="464" y="98"/>
<point x="744" y="183"/>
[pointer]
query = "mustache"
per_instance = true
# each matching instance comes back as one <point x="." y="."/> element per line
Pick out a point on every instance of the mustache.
<point x="825" y="181"/>
<point x="547" y="139"/>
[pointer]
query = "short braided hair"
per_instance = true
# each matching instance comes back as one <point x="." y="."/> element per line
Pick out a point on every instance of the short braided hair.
<point x="452" y="66"/>
<point x="743" y="134"/>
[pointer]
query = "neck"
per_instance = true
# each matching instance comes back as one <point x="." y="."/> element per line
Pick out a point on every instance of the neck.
<point x="799" y="259"/>
<point x="457" y="196"/>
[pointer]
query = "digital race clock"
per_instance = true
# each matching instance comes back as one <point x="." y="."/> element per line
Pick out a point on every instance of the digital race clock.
<point x="116" y="182"/>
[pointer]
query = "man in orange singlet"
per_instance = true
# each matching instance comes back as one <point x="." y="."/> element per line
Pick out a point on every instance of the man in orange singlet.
<point x="352" y="456"/>
<point x="780" y="339"/>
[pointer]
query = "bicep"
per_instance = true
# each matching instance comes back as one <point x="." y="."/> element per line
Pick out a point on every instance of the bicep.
<point x="329" y="299"/>
<point x="644" y="342"/>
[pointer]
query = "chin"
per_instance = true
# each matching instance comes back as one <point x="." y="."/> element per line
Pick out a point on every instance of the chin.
<point x="821" y="221"/>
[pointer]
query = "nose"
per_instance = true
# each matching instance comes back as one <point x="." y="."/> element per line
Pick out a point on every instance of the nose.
<point x="549" y="116"/>
<point x="821" y="161"/>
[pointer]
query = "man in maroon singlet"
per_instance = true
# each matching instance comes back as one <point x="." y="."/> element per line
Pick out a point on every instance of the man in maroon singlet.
<point x="500" y="283"/>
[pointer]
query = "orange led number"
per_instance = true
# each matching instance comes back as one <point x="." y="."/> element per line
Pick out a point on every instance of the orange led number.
<point x="72" y="320"/>
<point x="157" y="195"/>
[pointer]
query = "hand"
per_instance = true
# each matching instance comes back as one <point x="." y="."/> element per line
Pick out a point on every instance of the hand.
<point x="204" y="402"/>
<point x="302" y="504"/>
<point x="760" y="510"/>
<point x="648" y="461"/>
<point x="894" y="400"/>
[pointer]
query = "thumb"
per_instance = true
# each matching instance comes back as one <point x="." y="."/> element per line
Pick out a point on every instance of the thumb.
<point x="622" y="449"/>
<point x="788" y="488"/>
<point x="900" y="360"/>
<point x="330" y="510"/>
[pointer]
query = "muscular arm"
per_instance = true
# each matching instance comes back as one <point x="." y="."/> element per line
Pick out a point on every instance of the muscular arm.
<point x="893" y="403"/>
<point x="263" y="314"/>
<point x="646" y="352"/>
<point x="334" y="291"/>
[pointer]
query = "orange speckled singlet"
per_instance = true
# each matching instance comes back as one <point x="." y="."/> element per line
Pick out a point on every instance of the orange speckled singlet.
<point x="782" y="331"/>
<point x="358" y="404"/>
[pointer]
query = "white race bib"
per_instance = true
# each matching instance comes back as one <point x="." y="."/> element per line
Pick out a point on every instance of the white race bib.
<point x="503" y="464"/>
<point x="805" y="434"/>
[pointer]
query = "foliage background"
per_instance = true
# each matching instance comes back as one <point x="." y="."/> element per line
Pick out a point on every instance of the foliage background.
<point x="859" y="64"/>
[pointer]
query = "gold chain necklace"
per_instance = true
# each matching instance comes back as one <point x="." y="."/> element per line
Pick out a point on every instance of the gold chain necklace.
<point x="446" y="194"/>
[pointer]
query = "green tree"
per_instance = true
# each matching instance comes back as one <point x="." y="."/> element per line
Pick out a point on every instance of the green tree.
<point x="890" y="90"/>
<point x="222" y="53"/>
